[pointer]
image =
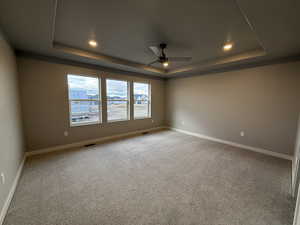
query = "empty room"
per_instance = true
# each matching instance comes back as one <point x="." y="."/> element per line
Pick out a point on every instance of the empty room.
<point x="149" y="112"/>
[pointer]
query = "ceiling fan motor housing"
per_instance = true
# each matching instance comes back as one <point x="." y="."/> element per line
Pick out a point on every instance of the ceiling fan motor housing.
<point x="159" y="52"/>
<point x="163" y="57"/>
<point x="163" y="46"/>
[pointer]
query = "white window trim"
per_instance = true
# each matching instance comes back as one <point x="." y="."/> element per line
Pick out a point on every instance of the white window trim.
<point x="89" y="100"/>
<point x="104" y="100"/>
<point x="79" y="124"/>
<point x="127" y="100"/>
<point x="149" y="101"/>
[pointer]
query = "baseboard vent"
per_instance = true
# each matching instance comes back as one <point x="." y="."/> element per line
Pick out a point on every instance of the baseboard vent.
<point x="89" y="145"/>
<point x="146" y="132"/>
<point x="96" y="140"/>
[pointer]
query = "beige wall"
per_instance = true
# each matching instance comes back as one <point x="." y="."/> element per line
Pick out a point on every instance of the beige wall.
<point x="44" y="97"/>
<point x="11" y="138"/>
<point x="263" y="102"/>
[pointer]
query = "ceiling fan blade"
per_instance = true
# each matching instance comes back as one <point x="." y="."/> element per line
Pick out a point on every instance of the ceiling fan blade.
<point x="155" y="50"/>
<point x="180" y="59"/>
<point x="153" y="62"/>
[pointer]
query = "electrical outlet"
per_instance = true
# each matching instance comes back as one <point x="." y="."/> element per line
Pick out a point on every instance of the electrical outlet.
<point x="2" y="178"/>
<point x="152" y="121"/>
<point x="66" y="133"/>
<point x="242" y="133"/>
<point x="182" y="122"/>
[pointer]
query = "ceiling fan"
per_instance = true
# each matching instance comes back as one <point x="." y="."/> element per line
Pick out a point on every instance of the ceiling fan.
<point x="162" y="58"/>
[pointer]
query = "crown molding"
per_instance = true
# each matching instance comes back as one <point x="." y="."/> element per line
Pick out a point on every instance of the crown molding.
<point x="246" y="65"/>
<point x="53" y="59"/>
<point x="106" y="58"/>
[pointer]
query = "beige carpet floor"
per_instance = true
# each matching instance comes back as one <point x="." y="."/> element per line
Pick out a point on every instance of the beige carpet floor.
<point x="162" y="178"/>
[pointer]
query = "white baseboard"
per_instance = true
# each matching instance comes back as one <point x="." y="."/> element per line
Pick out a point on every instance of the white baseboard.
<point x="247" y="147"/>
<point x="58" y="148"/>
<point x="97" y="140"/>
<point x="82" y="143"/>
<point x="11" y="192"/>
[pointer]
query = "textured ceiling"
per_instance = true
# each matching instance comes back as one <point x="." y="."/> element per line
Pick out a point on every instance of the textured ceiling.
<point x="260" y="31"/>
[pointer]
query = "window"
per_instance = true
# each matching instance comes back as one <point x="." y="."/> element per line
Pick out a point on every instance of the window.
<point x="117" y="100"/>
<point x="142" y="105"/>
<point x="84" y="100"/>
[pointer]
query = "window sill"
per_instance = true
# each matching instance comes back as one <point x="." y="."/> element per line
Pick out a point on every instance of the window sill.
<point x="85" y="124"/>
<point x="143" y="118"/>
<point x="108" y="122"/>
<point x="114" y="121"/>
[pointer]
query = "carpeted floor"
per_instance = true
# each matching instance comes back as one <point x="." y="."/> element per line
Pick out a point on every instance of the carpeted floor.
<point x="162" y="178"/>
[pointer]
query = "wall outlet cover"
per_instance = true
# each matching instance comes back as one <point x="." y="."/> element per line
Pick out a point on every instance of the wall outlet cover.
<point x="2" y="178"/>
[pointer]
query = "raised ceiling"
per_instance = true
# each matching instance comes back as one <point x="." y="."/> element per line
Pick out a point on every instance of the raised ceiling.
<point x="260" y="31"/>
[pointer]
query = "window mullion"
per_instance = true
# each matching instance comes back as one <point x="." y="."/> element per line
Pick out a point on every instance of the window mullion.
<point x="131" y="101"/>
<point x="104" y="100"/>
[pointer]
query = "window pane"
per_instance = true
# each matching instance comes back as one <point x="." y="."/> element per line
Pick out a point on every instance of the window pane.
<point x="81" y="87"/>
<point x="117" y="90"/>
<point x="141" y="100"/>
<point x="141" y="109"/>
<point x="117" y="110"/>
<point x="84" y="112"/>
<point x="141" y="91"/>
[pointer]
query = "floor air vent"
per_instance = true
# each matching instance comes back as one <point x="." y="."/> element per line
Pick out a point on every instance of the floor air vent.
<point x="89" y="145"/>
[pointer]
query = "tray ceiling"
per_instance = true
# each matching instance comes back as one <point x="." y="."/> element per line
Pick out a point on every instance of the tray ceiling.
<point x="124" y="31"/>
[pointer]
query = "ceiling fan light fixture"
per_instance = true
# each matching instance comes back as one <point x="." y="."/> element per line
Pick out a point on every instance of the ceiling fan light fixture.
<point x="227" y="47"/>
<point x="159" y="52"/>
<point x="93" y="43"/>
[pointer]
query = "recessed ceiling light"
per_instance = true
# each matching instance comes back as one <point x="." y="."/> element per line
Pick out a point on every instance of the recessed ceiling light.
<point x="93" y="43"/>
<point x="227" y="47"/>
<point x="166" y="64"/>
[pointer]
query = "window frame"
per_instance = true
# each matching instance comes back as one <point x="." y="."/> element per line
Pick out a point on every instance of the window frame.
<point x="149" y="101"/>
<point x="118" y="100"/>
<point x="85" y="100"/>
